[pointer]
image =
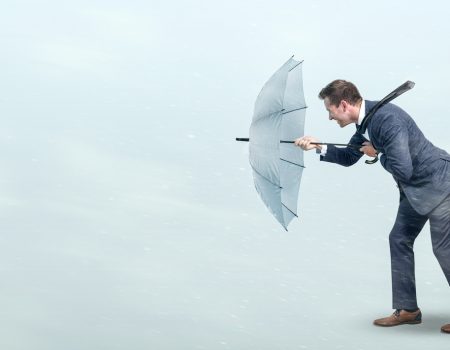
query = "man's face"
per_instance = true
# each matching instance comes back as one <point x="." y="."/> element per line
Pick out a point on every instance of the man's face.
<point x="339" y="113"/>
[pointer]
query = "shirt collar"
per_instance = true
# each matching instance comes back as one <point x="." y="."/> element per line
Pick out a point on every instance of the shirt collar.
<point x="362" y="112"/>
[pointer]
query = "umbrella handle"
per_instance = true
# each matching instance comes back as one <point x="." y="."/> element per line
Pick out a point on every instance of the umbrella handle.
<point x="372" y="161"/>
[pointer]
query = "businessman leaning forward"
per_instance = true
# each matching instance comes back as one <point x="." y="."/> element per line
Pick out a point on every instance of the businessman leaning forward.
<point x="422" y="173"/>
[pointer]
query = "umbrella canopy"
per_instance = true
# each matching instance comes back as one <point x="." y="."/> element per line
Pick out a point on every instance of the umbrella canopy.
<point x="279" y="114"/>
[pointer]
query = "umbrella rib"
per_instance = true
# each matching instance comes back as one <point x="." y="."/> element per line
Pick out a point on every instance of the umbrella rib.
<point x="302" y="166"/>
<point x="293" y="110"/>
<point x="265" y="178"/>
<point x="289" y="209"/>
<point x="295" y="65"/>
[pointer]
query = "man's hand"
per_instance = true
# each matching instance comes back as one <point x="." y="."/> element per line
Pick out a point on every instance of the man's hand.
<point x="305" y="143"/>
<point x="368" y="149"/>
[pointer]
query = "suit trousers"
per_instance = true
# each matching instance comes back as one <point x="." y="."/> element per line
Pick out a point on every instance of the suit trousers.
<point x="408" y="225"/>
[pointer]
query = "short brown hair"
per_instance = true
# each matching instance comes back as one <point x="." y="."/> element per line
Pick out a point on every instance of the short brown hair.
<point x="339" y="90"/>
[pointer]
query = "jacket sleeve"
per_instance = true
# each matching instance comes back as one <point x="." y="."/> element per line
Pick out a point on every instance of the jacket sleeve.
<point x="344" y="156"/>
<point x="396" y="158"/>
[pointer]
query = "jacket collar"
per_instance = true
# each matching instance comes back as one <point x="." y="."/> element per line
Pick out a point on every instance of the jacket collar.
<point x="362" y="128"/>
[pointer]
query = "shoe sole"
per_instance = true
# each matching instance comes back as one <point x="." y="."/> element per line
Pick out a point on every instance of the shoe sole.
<point x="398" y="324"/>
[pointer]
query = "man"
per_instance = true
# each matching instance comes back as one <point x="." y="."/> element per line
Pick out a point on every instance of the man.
<point x="422" y="173"/>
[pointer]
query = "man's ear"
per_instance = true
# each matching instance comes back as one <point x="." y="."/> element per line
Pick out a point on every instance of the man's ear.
<point x="344" y="105"/>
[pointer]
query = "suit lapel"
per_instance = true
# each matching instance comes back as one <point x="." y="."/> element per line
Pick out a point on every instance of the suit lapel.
<point x="373" y="138"/>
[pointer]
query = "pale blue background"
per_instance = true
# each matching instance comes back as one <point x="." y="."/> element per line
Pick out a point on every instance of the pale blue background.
<point x="128" y="217"/>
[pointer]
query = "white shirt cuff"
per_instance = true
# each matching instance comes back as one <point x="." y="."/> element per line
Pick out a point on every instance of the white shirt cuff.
<point x="323" y="151"/>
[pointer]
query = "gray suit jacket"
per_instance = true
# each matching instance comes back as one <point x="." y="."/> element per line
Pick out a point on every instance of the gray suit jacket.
<point x="421" y="169"/>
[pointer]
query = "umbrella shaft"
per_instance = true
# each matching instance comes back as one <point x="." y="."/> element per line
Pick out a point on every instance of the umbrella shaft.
<point x="312" y="143"/>
<point x="334" y="144"/>
<point x="329" y="143"/>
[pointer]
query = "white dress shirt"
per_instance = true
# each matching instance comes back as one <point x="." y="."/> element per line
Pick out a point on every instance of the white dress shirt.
<point x="362" y="114"/>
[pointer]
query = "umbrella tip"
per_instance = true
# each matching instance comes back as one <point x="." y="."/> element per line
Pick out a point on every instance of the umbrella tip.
<point x="410" y="84"/>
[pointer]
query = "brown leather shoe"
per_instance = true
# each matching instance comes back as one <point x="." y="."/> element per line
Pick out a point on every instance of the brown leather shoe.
<point x="400" y="317"/>
<point x="445" y="328"/>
